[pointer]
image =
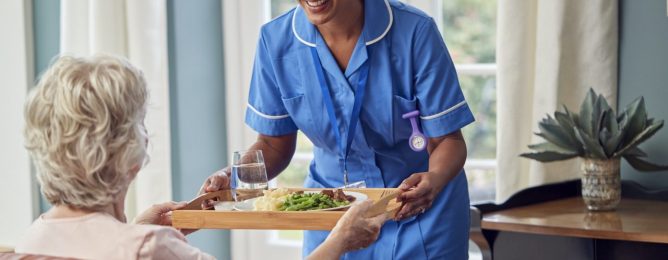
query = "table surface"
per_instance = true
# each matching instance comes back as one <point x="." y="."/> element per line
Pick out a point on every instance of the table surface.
<point x="634" y="220"/>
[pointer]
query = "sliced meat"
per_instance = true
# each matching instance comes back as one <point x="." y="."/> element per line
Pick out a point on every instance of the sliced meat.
<point x="328" y="193"/>
<point x="339" y="195"/>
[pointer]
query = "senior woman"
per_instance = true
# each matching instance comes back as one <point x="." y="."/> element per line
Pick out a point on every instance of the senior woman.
<point x="85" y="132"/>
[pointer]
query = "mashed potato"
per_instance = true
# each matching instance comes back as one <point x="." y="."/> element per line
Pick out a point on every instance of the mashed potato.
<point x="271" y="200"/>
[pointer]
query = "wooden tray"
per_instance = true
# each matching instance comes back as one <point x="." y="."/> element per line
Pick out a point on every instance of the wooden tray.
<point x="276" y="220"/>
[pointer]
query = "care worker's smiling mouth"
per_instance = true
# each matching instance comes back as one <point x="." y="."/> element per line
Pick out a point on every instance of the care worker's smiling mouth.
<point x="316" y="6"/>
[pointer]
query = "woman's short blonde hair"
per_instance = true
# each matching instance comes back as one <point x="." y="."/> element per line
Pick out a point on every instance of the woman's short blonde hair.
<point x="84" y="129"/>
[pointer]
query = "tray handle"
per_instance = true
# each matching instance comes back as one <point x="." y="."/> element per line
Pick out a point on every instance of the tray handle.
<point x="380" y="206"/>
<point x="221" y="195"/>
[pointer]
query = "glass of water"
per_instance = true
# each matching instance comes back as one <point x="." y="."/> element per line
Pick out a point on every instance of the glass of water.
<point x="249" y="174"/>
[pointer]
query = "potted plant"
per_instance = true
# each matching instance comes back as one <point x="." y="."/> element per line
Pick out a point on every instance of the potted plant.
<point x="601" y="138"/>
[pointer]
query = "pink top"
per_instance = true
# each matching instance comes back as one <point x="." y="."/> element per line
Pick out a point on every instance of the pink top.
<point x="101" y="236"/>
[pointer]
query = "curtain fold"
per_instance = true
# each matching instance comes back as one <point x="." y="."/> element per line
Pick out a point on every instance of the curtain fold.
<point x="549" y="53"/>
<point x="137" y="30"/>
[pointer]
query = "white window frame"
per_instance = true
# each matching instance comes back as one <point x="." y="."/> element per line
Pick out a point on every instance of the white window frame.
<point x="478" y="69"/>
<point x="18" y="190"/>
<point x="241" y="22"/>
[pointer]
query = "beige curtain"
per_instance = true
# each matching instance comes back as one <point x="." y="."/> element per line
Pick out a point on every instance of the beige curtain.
<point x="137" y="30"/>
<point x="548" y="53"/>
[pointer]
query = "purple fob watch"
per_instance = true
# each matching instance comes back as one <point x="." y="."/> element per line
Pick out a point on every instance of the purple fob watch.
<point x="417" y="141"/>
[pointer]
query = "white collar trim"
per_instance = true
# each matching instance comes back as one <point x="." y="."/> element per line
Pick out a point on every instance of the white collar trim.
<point x="387" y="29"/>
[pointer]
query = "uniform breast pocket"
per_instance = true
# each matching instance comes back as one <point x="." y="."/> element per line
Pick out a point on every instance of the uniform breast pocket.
<point x="402" y="127"/>
<point x="302" y="115"/>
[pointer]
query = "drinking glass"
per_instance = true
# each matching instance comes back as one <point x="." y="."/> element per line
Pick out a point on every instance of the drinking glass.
<point x="249" y="174"/>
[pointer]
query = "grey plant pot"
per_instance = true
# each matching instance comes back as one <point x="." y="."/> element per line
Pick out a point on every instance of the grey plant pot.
<point x="601" y="184"/>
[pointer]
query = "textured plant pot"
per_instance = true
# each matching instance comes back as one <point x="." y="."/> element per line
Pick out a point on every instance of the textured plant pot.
<point x="601" y="184"/>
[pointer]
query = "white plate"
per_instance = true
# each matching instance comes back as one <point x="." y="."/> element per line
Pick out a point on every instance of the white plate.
<point x="247" y="205"/>
<point x="225" y="205"/>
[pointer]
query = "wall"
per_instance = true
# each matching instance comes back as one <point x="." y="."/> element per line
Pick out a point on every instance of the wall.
<point x="197" y="98"/>
<point x="643" y="71"/>
<point x="46" y="27"/>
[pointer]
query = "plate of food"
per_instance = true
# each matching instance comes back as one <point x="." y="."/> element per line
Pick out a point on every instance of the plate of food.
<point x="284" y="200"/>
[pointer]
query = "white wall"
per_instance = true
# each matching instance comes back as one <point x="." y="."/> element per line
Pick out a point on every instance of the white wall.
<point x="17" y="198"/>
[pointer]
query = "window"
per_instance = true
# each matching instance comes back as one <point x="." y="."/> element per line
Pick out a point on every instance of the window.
<point x="469" y="30"/>
<point x="295" y="174"/>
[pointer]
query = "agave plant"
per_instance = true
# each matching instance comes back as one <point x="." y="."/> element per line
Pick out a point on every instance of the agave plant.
<point x="597" y="133"/>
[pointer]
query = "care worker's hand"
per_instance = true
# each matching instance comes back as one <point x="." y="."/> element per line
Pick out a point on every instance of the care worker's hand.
<point x="352" y="232"/>
<point x="418" y="192"/>
<point x="217" y="181"/>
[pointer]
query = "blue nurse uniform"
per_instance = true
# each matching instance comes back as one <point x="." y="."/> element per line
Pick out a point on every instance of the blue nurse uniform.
<point x="409" y="69"/>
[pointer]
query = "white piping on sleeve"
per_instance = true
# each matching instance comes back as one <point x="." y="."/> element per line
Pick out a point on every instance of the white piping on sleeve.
<point x="267" y="116"/>
<point x="444" y="112"/>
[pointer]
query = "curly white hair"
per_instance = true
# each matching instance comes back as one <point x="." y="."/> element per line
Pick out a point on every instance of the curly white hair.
<point x="85" y="131"/>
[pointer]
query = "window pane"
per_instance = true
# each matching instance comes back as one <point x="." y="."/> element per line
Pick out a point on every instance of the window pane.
<point x="296" y="172"/>
<point x="291" y="235"/>
<point x="279" y="7"/>
<point x="469" y="30"/>
<point x="304" y="145"/>
<point x="481" y="183"/>
<point x="480" y="93"/>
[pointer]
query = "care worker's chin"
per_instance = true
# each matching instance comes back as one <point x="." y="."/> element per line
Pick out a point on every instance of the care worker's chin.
<point x="318" y="11"/>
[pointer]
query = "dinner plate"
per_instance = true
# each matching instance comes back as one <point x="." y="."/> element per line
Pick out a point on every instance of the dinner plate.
<point x="247" y="205"/>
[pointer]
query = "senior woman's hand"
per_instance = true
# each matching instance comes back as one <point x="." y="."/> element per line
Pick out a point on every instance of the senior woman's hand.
<point x="159" y="214"/>
<point x="352" y="232"/>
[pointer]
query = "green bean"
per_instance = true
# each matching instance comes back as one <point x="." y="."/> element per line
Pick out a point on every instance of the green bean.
<point x="310" y="201"/>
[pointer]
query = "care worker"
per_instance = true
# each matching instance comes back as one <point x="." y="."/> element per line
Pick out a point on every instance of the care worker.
<point x="371" y="84"/>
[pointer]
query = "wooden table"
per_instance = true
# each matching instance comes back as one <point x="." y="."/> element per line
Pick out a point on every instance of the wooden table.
<point x="553" y="223"/>
<point x="634" y="220"/>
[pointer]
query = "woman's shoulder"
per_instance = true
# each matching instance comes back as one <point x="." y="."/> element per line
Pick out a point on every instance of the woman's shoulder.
<point x="278" y="26"/>
<point x="410" y="21"/>
<point x="407" y="11"/>
<point x="153" y="234"/>
<point x="94" y="236"/>
<point x="161" y="242"/>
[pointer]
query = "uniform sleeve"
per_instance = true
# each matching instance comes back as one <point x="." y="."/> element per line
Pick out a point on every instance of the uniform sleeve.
<point x="265" y="112"/>
<point x="443" y="108"/>
<point x="168" y="243"/>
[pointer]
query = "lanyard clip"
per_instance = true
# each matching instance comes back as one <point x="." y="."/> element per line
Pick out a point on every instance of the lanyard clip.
<point x="345" y="178"/>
